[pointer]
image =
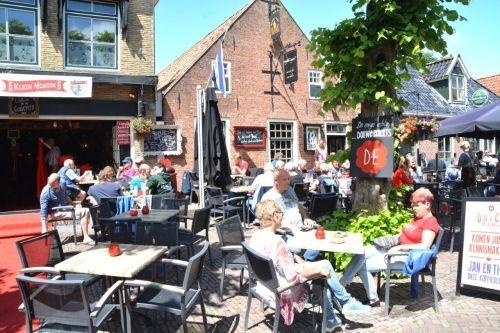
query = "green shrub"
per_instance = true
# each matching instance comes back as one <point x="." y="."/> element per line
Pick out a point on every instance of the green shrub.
<point x="386" y="222"/>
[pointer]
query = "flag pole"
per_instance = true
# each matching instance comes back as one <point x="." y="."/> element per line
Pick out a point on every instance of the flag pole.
<point x="200" y="99"/>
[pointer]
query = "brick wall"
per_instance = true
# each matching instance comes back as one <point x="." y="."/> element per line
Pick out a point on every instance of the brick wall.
<point x="246" y="47"/>
<point x="136" y="53"/>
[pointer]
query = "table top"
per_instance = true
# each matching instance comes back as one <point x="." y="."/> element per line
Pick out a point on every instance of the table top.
<point x="154" y="216"/>
<point x="97" y="260"/>
<point x="306" y="240"/>
<point x="240" y="189"/>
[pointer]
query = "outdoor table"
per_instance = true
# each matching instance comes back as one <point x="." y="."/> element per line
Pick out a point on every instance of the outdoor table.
<point x="243" y="189"/>
<point x="97" y="261"/>
<point x="154" y="216"/>
<point x="306" y="240"/>
<point x="86" y="185"/>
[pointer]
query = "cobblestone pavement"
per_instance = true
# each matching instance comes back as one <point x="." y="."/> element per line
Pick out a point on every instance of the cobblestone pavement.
<point x="473" y="313"/>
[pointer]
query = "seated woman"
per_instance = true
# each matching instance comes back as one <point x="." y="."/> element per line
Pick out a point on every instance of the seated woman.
<point x="419" y="234"/>
<point x="240" y="166"/>
<point x="290" y="267"/>
<point x="107" y="186"/>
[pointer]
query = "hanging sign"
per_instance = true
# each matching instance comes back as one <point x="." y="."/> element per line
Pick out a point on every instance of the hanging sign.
<point x="24" y="85"/>
<point x="275" y="23"/>
<point x="23" y="107"/>
<point x="479" y="260"/>
<point x="290" y="66"/>
<point x="372" y="147"/>
<point x="123" y="132"/>
<point x="479" y="97"/>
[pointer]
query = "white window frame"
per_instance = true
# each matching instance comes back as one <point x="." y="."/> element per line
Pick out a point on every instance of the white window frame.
<point x="227" y="77"/>
<point x="294" y="147"/>
<point x="446" y="155"/>
<point x="483" y="145"/>
<point x="227" y="134"/>
<point x="463" y="89"/>
<point x="33" y="8"/>
<point x="92" y="16"/>
<point x="310" y="74"/>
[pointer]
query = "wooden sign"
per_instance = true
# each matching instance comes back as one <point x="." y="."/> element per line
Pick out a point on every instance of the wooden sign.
<point x="290" y="66"/>
<point x="123" y="132"/>
<point x="275" y="23"/>
<point x="250" y="137"/>
<point x="23" y="107"/>
<point x="164" y="140"/>
<point x="479" y="260"/>
<point x="372" y="147"/>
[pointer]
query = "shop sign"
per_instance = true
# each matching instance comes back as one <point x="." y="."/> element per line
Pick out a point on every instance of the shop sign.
<point x="250" y="137"/>
<point x="290" y="66"/>
<point x="123" y="132"/>
<point x="372" y="147"/>
<point x="479" y="260"/>
<point x="24" y="85"/>
<point x="479" y="97"/>
<point x="275" y="24"/>
<point x="23" y="107"/>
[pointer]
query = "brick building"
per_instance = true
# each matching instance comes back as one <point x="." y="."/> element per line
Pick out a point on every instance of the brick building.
<point x="446" y="90"/>
<point x="281" y="118"/>
<point x="70" y="69"/>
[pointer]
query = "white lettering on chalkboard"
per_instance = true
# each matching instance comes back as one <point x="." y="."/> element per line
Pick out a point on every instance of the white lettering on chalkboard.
<point x="248" y="137"/>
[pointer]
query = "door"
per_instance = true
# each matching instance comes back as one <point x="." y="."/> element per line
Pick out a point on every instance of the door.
<point x="335" y="143"/>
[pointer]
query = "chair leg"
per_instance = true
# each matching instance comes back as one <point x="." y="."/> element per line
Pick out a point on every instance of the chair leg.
<point x="74" y="226"/>
<point x="387" y="291"/>
<point x="222" y="276"/>
<point x="277" y="315"/>
<point x="378" y="281"/>
<point x="241" y="278"/>
<point x="247" y="312"/>
<point x="423" y="283"/>
<point x="209" y="255"/>
<point x="203" y="314"/>
<point x="434" y="288"/>
<point x="183" y="317"/>
<point x="325" y="302"/>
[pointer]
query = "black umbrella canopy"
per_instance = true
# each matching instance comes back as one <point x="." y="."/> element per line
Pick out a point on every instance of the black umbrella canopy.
<point x="483" y="122"/>
<point x="215" y="159"/>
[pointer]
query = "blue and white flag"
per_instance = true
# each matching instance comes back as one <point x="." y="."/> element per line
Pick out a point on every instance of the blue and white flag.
<point x="218" y="71"/>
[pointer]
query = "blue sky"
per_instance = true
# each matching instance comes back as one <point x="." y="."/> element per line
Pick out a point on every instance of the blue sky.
<point x="180" y="24"/>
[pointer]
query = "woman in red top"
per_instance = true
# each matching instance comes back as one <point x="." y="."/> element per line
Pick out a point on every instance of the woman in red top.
<point x="402" y="175"/>
<point x="419" y="234"/>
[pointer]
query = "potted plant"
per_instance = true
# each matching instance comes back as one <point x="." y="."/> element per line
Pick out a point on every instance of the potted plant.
<point x="142" y="126"/>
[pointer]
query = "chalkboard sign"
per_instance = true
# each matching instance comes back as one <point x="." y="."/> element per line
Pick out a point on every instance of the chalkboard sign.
<point x="290" y="66"/>
<point x="163" y="140"/>
<point x="23" y="107"/>
<point x="250" y="137"/>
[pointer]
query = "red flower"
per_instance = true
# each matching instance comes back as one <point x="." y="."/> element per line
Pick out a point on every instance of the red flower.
<point x="371" y="156"/>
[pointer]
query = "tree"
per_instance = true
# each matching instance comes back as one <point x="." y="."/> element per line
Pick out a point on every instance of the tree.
<point x="367" y="58"/>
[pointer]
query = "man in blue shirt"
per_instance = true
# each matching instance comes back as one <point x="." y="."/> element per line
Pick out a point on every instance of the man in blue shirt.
<point x="69" y="179"/>
<point x="53" y="195"/>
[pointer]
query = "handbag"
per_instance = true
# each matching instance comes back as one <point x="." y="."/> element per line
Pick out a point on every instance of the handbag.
<point x="386" y="242"/>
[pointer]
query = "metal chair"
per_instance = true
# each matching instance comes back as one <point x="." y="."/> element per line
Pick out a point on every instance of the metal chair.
<point x="110" y="229"/>
<point x="173" y="299"/>
<point x="301" y="190"/>
<point x="262" y="269"/>
<point x="221" y="205"/>
<point x="190" y="237"/>
<point x="195" y="186"/>
<point x="157" y="200"/>
<point x="230" y="237"/>
<point x="177" y="204"/>
<point x="64" y="209"/>
<point x="398" y="268"/>
<point x="255" y="199"/>
<point x="45" y="250"/>
<point x="254" y="172"/>
<point x="322" y="204"/>
<point x="63" y="305"/>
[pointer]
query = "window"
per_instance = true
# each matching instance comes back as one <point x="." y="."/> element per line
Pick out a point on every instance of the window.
<point x="227" y="77"/>
<point x="315" y="83"/>
<point x="281" y="139"/>
<point x="457" y="88"/>
<point x="487" y="145"/>
<point x="444" y="148"/>
<point x="336" y="129"/>
<point x="91" y="34"/>
<point x="18" y="32"/>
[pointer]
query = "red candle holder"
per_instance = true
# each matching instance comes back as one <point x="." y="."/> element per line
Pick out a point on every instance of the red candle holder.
<point x="114" y="249"/>
<point x="320" y="233"/>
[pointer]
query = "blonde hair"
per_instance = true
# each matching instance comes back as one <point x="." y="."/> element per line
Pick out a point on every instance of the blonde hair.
<point x="422" y="194"/>
<point x="106" y="174"/>
<point x="265" y="210"/>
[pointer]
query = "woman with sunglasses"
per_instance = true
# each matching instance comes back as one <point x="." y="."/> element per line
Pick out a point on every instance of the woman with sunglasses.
<point x="419" y="234"/>
<point x="291" y="268"/>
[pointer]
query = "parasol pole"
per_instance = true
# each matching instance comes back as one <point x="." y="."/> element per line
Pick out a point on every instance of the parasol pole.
<point x="200" y="101"/>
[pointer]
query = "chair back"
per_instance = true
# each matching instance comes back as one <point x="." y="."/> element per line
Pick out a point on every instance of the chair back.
<point x="323" y="204"/>
<point x="247" y="181"/>
<point x="194" y="179"/>
<point x="261" y="267"/>
<point x="159" y="234"/>
<point x="104" y="210"/>
<point x="230" y="231"/>
<point x="439" y="238"/>
<point x="94" y="214"/>
<point x="254" y="172"/>
<point x="301" y="190"/>
<point x="262" y="191"/>
<point x="157" y="199"/>
<point x="60" y="301"/>
<point x="194" y="268"/>
<point x="179" y="204"/>
<point x="214" y="196"/>
<point x="201" y="220"/>
<point x="111" y="205"/>
<point x="42" y="250"/>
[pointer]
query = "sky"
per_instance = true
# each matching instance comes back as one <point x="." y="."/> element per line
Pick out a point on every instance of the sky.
<point x="180" y="24"/>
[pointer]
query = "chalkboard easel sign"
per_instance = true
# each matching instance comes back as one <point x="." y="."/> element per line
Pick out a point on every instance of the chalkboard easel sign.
<point x="250" y="137"/>
<point x="163" y="140"/>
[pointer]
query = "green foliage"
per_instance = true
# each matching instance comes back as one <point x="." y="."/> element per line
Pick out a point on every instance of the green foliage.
<point x="386" y="222"/>
<point x="76" y="35"/>
<point x="19" y="28"/>
<point x="405" y="27"/>
<point x="340" y="156"/>
<point x="106" y="37"/>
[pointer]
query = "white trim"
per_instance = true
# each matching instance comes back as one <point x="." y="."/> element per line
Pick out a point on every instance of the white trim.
<point x="458" y="59"/>
<point x="295" y="137"/>
<point x="228" y="75"/>
<point x="333" y="122"/>
<point x="67" y="117"/>
<point x="178" y="133"/>
<point x="309" y="82"/>
<point x="464" y="79"/>
<point x="227" y="135"/>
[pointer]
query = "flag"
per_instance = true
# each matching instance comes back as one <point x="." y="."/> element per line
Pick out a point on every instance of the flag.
<point x="218" y="71"/>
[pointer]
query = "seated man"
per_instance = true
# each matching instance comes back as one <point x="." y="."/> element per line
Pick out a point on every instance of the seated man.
<point x="294" y="214"/>
<point x="69" y="179"/>
<point x="160" y="182"/>
<point x="126" y="171"/>
<point x="54" y="195"/>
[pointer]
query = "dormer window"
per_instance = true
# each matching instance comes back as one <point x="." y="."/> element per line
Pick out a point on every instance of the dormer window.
<point x="457" y="85"/>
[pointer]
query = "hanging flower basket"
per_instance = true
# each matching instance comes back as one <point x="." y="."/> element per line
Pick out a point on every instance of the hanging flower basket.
<point x="409" y="126"/>
<point x="142" y="126"/>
